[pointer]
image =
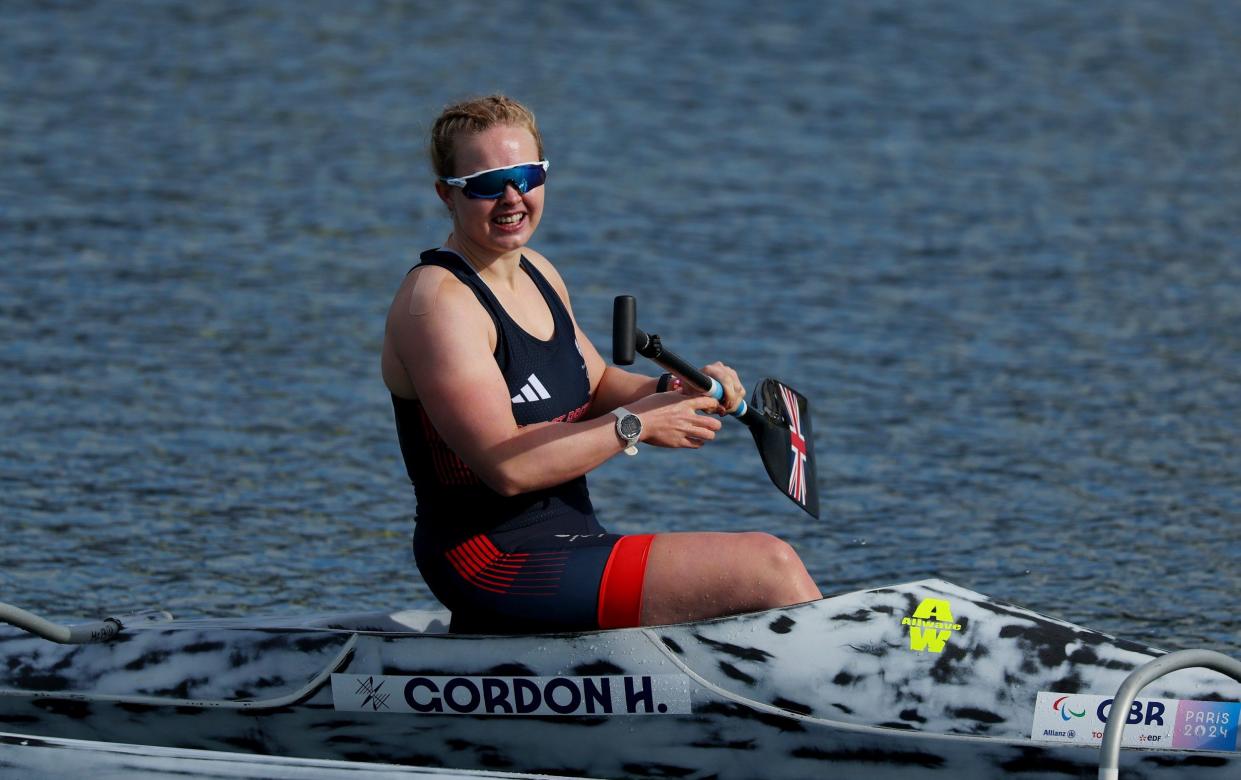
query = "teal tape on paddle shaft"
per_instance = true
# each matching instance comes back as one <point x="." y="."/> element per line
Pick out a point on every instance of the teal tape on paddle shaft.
<point x="716" y="391"/>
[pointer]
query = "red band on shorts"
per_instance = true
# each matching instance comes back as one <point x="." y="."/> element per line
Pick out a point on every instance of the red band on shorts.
<point x="620" y="592"/>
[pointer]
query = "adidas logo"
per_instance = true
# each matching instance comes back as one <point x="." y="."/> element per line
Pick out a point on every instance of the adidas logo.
<point x="532" y="390"/>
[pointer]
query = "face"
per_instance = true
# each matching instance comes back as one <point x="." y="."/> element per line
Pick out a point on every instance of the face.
<point x="506" y="223"/>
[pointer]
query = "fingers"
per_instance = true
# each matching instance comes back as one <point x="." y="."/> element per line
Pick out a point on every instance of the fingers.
<point x="729" y="381"/>
<point x="701" y="403"/>
<point x="699" y="433"/>
<point x="707" y="404"/>
<point x="676" y="421"/>
<point x="699" y="429"/>
<point x="734" y="391"/>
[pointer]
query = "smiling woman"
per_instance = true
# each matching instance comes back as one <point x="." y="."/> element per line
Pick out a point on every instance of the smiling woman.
<point x="503" y="405"/>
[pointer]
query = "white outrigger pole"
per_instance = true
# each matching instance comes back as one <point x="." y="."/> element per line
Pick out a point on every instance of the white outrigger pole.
<point x="80" y="634"/>
<point x="1109" y="751"/>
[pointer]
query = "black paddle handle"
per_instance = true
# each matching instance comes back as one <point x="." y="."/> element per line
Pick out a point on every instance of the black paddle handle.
<point x="650" y="347"/>
<point x="628" y="338"/>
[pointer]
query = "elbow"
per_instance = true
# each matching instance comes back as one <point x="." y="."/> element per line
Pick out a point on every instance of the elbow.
<point x="509" y="488"/>
<point x="512" y="472"/>
<point x="506" y="482"/>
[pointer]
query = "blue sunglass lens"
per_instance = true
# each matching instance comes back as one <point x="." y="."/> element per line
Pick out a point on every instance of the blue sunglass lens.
<point x="490" y="186"/>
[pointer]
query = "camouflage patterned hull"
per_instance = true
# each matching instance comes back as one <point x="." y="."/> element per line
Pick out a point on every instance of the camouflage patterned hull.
<point x="919" y="680"/>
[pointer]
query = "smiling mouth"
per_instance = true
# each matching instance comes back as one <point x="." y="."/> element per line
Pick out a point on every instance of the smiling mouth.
<point x="509" y="219"/>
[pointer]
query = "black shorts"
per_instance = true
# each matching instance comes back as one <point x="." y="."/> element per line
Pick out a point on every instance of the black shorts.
<point x="552" y="575"/>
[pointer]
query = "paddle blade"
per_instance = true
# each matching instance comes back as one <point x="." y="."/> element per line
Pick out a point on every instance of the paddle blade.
<point x="780" y="423"/>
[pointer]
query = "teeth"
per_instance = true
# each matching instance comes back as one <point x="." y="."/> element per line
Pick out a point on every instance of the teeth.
<point x="509" y="219"/>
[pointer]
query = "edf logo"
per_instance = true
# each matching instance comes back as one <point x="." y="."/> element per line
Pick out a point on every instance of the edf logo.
<point x="1149" y="714"/>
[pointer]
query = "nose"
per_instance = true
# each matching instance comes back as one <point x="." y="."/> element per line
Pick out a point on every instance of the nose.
<point x="511" y="193"/>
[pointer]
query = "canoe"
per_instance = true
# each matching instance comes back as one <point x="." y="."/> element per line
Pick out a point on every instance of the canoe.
<point x="50" y="758"/>
<point x="924" y="679"/>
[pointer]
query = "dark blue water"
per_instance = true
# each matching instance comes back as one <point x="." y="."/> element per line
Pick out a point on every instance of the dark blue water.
<point x="997" y="245"/>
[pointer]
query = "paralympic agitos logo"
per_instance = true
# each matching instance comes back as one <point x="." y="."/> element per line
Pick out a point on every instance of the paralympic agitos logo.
<point x="1066" y="712"/>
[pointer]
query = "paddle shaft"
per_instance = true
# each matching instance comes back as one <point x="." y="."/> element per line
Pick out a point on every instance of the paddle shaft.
<point x="778" y="418"/>
<point x="649" y="346"/>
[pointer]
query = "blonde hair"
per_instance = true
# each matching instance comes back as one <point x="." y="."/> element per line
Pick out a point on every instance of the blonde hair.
<point x="474" y="116"/>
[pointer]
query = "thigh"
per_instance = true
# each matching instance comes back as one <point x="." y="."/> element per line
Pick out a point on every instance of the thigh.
<point x="691" y="576"/>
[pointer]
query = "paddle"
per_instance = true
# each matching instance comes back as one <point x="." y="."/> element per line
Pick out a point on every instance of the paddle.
<point x="778" y="416"/>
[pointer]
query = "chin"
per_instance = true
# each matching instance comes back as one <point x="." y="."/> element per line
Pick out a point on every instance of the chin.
<point x="513" y="240"/>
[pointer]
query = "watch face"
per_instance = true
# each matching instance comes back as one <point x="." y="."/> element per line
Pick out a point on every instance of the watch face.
<point x="629" y="426"/>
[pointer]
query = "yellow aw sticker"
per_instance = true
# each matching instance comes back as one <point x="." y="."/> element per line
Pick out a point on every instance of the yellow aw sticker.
<point x="930" y="626"/>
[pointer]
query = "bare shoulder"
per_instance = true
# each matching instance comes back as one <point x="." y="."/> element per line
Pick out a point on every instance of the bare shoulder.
<point x="434" y="323"/>
<point x="434" y="310"/>
<point x="428" y="290"/>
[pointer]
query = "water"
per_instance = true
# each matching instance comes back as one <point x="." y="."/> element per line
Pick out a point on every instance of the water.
<point x="997" y="246"/>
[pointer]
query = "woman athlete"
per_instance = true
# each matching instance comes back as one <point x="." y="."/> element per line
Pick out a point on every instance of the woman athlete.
<point x="503" y="406"/>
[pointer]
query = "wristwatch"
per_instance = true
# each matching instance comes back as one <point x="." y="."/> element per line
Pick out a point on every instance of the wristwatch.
<point x="628" y="428"/>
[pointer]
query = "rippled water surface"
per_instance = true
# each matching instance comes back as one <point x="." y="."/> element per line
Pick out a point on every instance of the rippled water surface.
<point x="997" y="245"/>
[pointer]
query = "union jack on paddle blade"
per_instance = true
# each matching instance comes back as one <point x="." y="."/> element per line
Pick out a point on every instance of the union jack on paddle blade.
<point x="781" y="428"/>
<point x="797" y="446"/>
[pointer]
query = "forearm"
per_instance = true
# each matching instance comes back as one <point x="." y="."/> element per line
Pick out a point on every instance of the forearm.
<point x="618" y="387"/>
<point x="547" y="454"/>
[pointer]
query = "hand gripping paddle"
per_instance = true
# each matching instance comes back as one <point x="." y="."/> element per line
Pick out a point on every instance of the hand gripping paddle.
<point x="778" y="417"/>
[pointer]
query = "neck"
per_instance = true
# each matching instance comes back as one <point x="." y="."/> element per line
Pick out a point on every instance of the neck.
<point x="490" y="264"/>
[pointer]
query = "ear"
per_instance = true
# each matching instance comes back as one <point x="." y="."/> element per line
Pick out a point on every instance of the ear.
<point x="446" y="193"/>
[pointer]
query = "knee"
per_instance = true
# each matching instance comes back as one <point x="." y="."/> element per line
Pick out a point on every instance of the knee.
<point x="771" y="551"/>
<point x="781" y="571"/>
<point x="774" y="553"/>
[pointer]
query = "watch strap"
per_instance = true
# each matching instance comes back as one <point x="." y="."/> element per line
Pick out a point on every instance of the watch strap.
<point x="631" y="444"/>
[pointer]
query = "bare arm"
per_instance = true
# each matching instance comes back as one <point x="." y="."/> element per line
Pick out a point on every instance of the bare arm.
<point x="445" y="343"/>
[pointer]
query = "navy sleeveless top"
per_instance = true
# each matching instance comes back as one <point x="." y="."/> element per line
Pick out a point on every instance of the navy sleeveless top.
<point x="547" y="381"/>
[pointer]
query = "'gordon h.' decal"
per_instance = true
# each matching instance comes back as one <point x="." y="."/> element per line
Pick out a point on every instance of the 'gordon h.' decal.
<point x="513" y="696"/>
<point x="930" y="626"/>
